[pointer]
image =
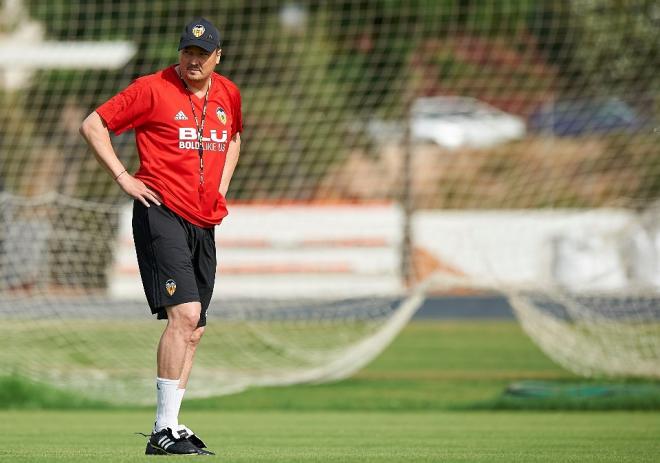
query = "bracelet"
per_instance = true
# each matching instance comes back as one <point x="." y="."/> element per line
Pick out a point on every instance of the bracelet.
<point x="120" y="174"/>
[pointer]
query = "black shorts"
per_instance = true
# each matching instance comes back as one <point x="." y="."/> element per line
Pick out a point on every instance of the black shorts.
<point x="176" y="259"/>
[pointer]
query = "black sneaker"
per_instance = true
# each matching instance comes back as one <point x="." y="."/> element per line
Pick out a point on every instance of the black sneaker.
<point x="186" y="433"/>
<point x="170" y="442"/>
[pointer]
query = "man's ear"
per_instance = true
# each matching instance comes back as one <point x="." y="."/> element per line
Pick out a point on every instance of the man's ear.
<point x="217" y="60"/>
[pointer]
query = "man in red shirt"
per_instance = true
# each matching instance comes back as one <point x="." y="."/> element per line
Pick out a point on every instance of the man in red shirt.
<point x="187" y="121"/>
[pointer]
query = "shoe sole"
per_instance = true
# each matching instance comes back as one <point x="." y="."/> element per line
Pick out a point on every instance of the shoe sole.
<point x="155" y="450"/>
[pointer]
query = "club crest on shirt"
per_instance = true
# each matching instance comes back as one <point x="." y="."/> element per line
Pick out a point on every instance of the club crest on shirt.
<point x="198" y="30"/>
<point x="170" y="286"/>
<point x="221" y="115"/>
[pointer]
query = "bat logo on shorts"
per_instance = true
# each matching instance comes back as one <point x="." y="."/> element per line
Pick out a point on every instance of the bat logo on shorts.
<point x="198" y="30"/>
<point x="170" y="286"/>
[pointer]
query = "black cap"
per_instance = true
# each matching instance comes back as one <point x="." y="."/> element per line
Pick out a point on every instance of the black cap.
<point x="201" y="33"/>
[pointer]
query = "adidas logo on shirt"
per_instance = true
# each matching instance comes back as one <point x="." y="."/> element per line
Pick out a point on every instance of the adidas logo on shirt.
<point x="180" y="116"/>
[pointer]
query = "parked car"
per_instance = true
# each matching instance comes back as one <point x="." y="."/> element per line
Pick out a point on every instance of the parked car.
<point x="578" y="117"/>
<point x="453" y="122"/>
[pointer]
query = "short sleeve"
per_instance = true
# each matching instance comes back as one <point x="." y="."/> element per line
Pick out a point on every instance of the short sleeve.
<point x="129" y="108"/>
<point x="237" y="119"/>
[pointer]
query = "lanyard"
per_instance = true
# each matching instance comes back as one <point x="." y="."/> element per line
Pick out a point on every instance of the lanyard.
<point x="200" y="130"/>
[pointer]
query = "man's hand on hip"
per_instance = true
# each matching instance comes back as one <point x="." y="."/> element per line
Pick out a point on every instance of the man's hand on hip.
<point x="136" y="189"/>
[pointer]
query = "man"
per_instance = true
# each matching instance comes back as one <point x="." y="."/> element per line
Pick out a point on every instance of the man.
<point x="187" y="122"/>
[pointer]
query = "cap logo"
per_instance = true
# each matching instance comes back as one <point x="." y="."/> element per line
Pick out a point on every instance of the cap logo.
<point x="221" y="115"/>
<point x="198" y="30"/>
<point x="170" y="286"/>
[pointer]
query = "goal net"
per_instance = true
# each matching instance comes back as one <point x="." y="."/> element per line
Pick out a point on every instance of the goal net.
<point x="392" y="150"/>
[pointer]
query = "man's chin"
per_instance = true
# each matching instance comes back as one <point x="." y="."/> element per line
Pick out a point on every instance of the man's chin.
<point x="194" y="76"/>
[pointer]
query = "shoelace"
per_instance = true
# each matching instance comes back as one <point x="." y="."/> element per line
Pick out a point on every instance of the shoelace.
<point x="182" y="435"/>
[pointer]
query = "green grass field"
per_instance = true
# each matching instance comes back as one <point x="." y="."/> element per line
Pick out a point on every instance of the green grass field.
<point x="321" y="436"/>
<point x="433" y="395"/>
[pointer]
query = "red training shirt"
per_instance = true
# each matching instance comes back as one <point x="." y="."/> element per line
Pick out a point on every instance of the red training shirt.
<point x="158" y="108"/>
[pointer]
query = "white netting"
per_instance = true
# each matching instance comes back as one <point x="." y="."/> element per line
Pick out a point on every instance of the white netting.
<point x="532" y="168"/>
<point x="62" y="325"/>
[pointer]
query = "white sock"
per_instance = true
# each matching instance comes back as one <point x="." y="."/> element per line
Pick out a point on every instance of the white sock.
<point x="179" y="399"/>
<point x="167" y="409"/>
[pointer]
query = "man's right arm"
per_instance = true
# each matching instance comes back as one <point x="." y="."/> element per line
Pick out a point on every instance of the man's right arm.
<point x="95" y="132"/>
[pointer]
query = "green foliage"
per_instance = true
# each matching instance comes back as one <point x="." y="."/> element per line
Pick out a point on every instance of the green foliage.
<point x="606" y="46"/>
<point x="305" y="92"/>
<point x="618" y="45"/>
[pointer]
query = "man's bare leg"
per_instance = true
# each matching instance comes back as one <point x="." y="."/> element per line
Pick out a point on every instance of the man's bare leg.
<point x="182" y="321"/>
<point x="172" y="352"/>
<point x="190" y="356"/>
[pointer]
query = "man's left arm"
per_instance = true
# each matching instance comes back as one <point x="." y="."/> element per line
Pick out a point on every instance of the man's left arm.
<point x="233" y="152"/>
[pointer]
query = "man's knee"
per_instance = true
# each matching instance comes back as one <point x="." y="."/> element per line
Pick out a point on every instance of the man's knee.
<point x="184" y="317"/>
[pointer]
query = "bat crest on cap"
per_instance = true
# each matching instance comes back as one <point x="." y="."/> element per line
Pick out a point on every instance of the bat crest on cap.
<point x="198" y="30"/>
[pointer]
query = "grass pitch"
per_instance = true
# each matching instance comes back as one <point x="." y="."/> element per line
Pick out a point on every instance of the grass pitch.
<point x="330" y="436"/>
<point x="418" y="401"/>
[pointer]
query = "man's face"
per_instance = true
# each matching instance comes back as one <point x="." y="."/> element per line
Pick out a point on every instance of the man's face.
<point x="195" y="63"/>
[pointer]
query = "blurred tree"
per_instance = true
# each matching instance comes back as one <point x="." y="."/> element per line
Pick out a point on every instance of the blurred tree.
<point x="618" y="48"/>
